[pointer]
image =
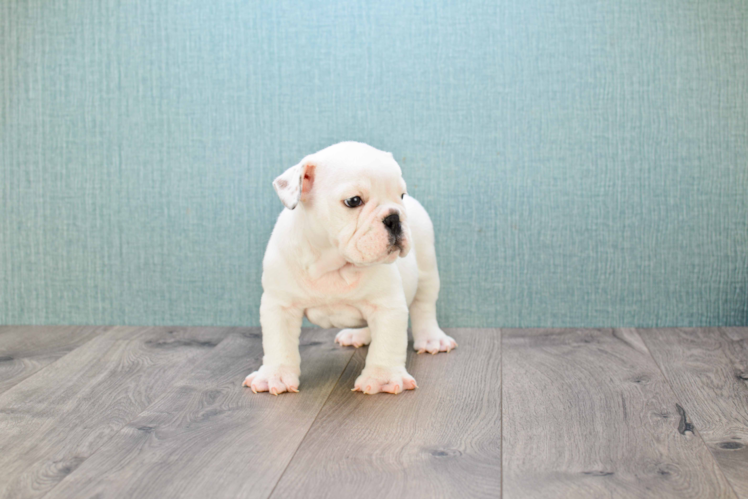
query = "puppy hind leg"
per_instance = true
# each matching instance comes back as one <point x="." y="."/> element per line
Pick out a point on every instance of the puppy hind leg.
<point x="427" y="336"/>
<point x="355" y="337"/>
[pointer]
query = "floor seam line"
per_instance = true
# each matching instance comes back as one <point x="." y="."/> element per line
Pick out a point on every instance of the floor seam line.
<point x="695" y="430"/>
<point x="342" y="372"/>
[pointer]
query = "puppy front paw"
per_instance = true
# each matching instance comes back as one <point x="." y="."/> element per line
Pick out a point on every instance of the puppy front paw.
<point x="380" y="379"/>
<point x="273" y="379"/>
<point x="437" y="341"/>
<point x="356" y="337"/>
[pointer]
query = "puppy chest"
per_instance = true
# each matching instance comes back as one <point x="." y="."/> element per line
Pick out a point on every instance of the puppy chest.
<point x="335" y="316"/>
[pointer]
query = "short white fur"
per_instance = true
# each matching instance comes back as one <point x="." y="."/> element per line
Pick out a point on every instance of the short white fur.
<point x="334" y="264"/>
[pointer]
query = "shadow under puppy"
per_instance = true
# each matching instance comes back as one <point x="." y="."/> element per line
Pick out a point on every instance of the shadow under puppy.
<point x="347" y="219"/>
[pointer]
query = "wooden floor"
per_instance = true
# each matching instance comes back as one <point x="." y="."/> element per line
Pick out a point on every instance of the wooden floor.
<point x="160" y="412"/>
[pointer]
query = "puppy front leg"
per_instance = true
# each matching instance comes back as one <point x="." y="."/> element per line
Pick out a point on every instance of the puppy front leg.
<point x="281" y="363"/>
<point x="385" y="362"/>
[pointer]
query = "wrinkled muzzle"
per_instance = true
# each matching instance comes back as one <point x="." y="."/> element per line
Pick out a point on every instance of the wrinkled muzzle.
<point x="381" y="241"/>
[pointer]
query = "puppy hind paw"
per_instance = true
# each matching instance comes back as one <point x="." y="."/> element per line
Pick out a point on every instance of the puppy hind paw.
<point x="434" y="343"/>
<point x="273" y="379"/>
<point x="355" y="337"/>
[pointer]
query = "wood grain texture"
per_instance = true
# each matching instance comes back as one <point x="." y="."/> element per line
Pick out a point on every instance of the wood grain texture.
<point x="209" y="436"/>
<point x="441" y="440"/>
<point x="587" y="413"/>
<point x="52" y="421"/>
<point x="24" y="350"/>
<point x="708" y="371"/>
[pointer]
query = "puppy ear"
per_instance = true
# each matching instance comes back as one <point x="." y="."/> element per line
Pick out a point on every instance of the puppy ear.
<point x="294" y="182"/>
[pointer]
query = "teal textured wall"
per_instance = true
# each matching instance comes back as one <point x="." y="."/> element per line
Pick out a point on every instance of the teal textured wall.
<point x="585" y="162"/>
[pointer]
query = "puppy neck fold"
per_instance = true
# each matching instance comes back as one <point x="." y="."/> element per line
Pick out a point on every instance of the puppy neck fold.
<point x="328" y="261"/>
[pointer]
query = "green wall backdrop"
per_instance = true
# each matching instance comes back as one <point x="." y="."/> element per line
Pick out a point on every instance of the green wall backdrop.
<point x="585" y="162"/>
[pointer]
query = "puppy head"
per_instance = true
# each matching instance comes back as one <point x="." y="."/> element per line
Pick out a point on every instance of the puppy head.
<point x="353" y="195"/>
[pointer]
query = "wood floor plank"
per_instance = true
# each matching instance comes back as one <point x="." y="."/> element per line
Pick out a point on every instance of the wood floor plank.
<point x="210" y="437"/>
<point x="708" y="371"/>
<point x="441" y="440"/>
<point x="55" y="419"/>
<point x="587" y="413"/>
<point x="24" y="350"/>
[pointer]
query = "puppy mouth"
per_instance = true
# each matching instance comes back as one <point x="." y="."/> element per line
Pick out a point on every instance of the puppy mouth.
<point x="395" y="246"/>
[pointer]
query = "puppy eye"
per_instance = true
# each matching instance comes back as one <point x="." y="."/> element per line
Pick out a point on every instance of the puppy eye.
<point x="354" y="202"/>
<point x="402" y="196"/>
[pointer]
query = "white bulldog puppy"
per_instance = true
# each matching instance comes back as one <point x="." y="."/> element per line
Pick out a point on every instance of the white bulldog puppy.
<point x="348" y="218"/>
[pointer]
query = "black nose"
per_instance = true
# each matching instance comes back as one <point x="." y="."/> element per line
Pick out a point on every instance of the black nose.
<point x="392" y="223"/>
